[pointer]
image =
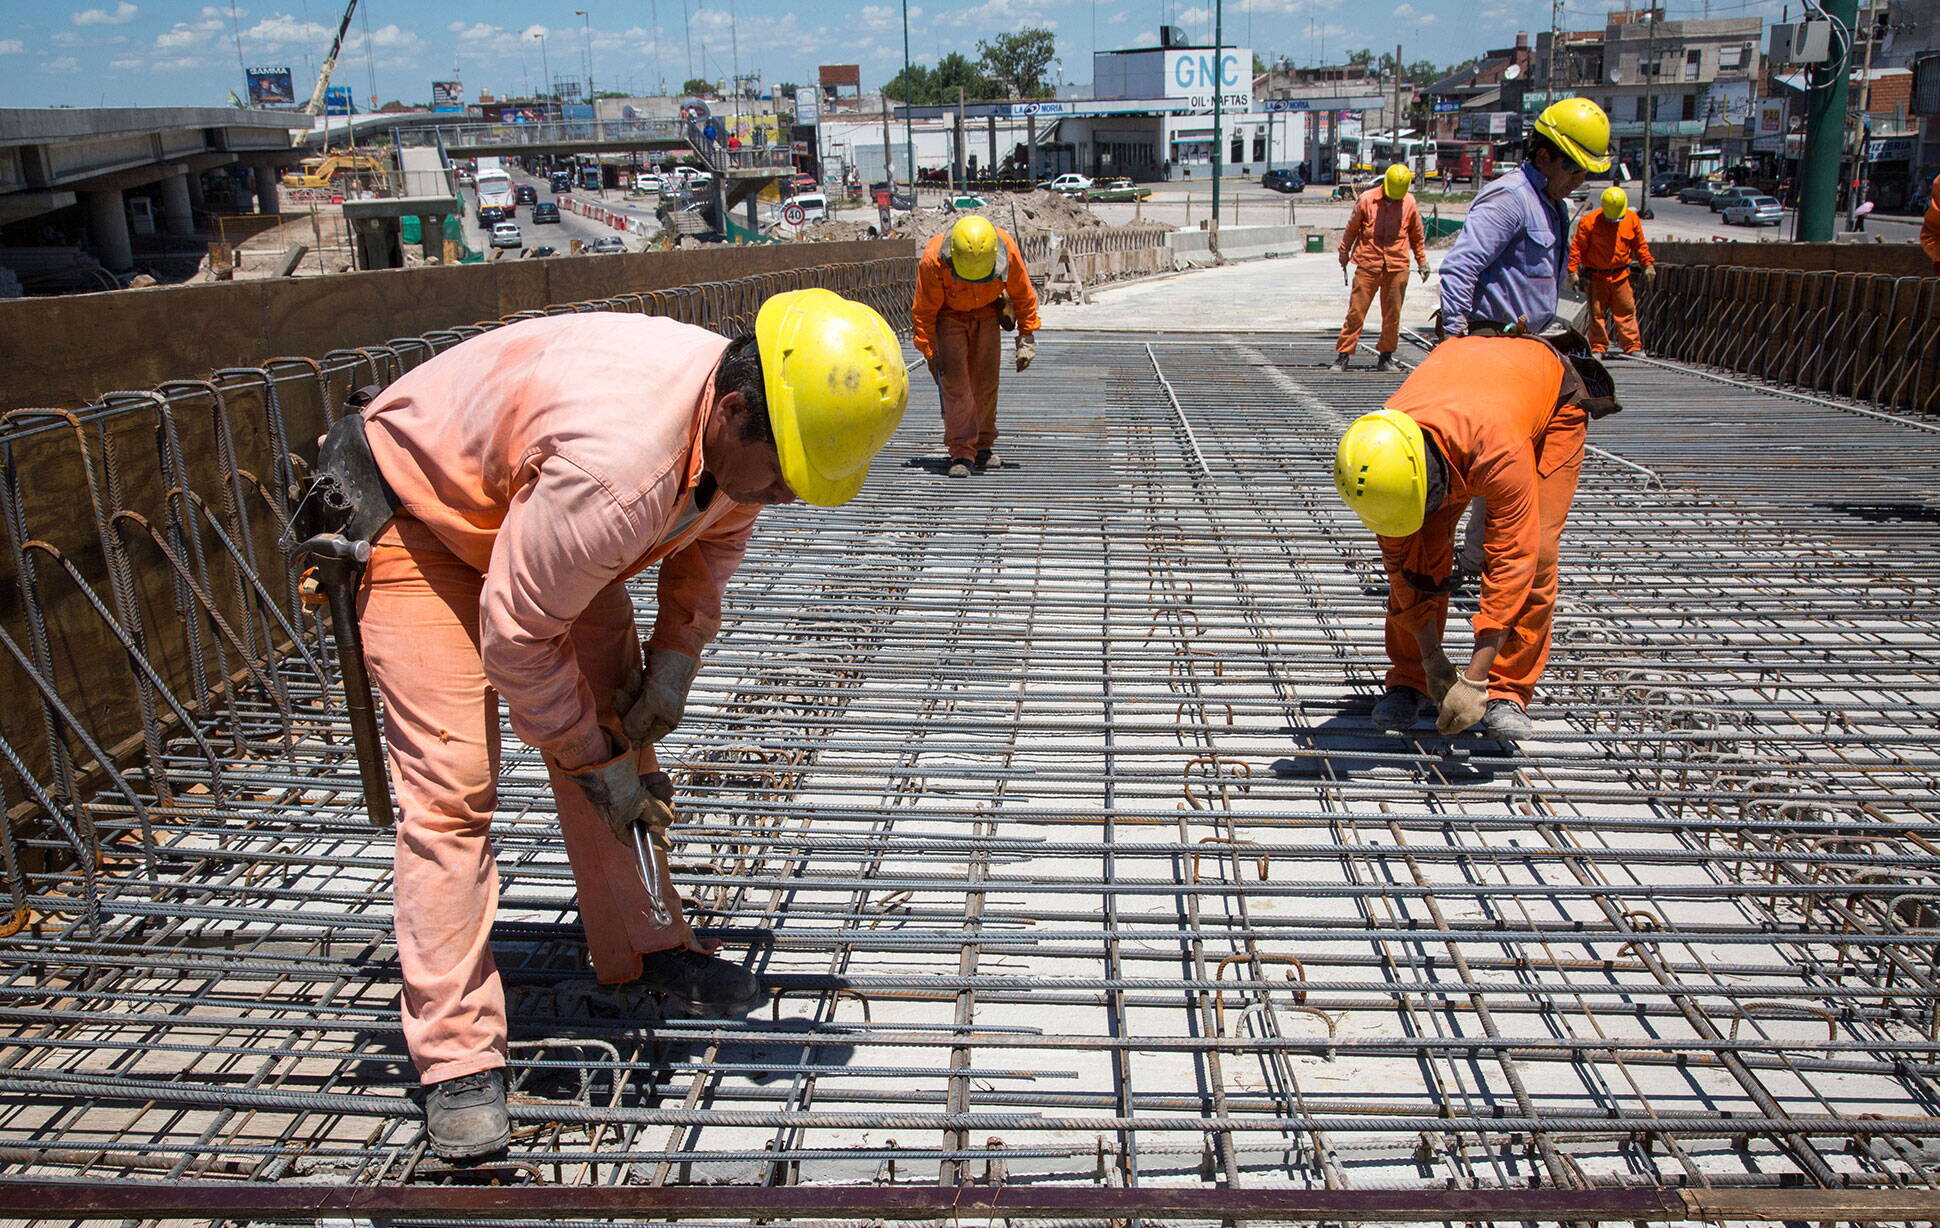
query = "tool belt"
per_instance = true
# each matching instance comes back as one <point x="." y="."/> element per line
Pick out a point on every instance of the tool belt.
<point x="346" y="494"/>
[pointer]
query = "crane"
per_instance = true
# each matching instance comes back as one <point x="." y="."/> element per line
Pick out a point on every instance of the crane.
<point x="315" y="105"/>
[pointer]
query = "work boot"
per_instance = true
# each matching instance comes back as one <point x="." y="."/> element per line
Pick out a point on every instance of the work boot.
<point x="1609" y="355"/>
<point x="1383" y="362"/>
<point x="1400" y="708"/>
<point x="987" y="459"/>
<point x="1505" y="720"/>
<point x="700" y="986"/>
<point x="465" y="1117"/>
<point x="1340" y="362"/>
<point x="959" y="469"/>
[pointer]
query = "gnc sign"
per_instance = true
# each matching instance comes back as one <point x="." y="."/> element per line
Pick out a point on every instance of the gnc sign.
<point x="1199" y="72"/>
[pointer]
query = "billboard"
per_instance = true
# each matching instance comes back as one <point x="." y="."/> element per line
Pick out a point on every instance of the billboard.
<point x="337" y="101"/>
<point x="270" y="87"/>
<point x="447" y="95"/>
<point x="1200" y="72"/>
<point x="808" y="105"/>
<point x="837" y="75"/>
<point x="1768" y="136"/>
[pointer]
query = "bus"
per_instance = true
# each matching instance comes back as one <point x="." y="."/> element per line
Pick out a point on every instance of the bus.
<point x="1457" y="160"/>
<point x="494" y="184"/>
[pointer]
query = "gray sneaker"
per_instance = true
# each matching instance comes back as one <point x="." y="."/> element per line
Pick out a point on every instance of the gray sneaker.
<point x="465" y="1117"/>
<point x="1505" y="720"/>
<point x="1383" y="362"/>
<point x="1340" y="362"/>
<point x="959" y="469"/>
<point x="1400" y="708"/>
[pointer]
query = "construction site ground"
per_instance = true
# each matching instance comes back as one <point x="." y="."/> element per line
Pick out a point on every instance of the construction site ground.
<point x="1047" y="804"/>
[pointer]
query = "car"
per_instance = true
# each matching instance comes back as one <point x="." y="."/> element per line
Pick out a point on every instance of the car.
<point x="967" y="202"/>
<point x="490" y="215"/>
<point x="1283" y="181"/>
<point x="1696" y="193"/>
<point x="525" y="194"/>
<point x="607" y="245"/>
<point x="544" y="249"/>
<point x="814" y="207"/>
<point x="1116" y="189"/>
<point x="506" y="234"/>
<point x="1724" y="196"/>
<point x="689" y="177"/>
<point x="1669" y="184"/>
<point x="543" y="212"/>
<point x="1070" y="184"/>
<point x="646" y="181"/>
<point x="561" y="182"/>
<point x="1754" y="210"/>
<point x="804" y="183"/>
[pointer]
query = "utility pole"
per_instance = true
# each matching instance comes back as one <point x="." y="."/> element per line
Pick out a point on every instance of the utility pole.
<point x="909" y="123"/>
<point x="1861" y="167"/>
<point x="1395" y="148"/>
<point x="586" y="18"/>
<point x="1825" y="115"/>
<point x="1555" y="44"/>
<point x="1649" y="107"/>
<point x="1219" y="139"/>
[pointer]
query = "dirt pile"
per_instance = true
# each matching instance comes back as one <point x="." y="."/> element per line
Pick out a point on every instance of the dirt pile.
<point x="1024" y="214"/>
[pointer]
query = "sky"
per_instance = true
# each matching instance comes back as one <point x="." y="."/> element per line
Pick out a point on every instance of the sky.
<point x="183" y="52"/>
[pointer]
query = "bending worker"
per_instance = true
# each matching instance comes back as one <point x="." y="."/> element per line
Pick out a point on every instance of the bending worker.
<point x="533" y="469"/>
<point x="1930" y="226"/>
<point x="1503" y="418"/>
<point x="970" y="283"/>
<point x="1384" y="227"/>
<point x="1607" y="241"/>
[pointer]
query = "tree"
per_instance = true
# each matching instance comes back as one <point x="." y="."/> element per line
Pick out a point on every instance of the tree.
<point x="912" y="85"/>
<point x="697" y="86"/>
<point x="1017" y="61"/>
<point x="957" y="70"/>
<point x="1259" y="65"/>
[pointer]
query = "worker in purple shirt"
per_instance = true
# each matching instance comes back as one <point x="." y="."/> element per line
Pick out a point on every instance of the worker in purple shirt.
<point x="1506" y="269"/>
<point x="1507" y="264"/>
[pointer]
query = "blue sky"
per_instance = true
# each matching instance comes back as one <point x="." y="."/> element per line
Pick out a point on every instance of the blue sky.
<point x="154" y="52"/>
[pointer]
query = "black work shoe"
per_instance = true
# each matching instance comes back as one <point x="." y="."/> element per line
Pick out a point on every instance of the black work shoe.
<point x="1340" y="362"/>
<point x="465" y="1117"/>
<point x="1395" y="711"/>
<point x="1383" y="362"/>
<point x="1505" y="720"/>
<point x="987" y="459"/>
<point x="700" y="986"/>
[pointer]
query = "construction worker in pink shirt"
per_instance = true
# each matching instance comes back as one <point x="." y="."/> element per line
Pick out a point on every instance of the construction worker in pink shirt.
<point x="1383" y="228"/>
<point x="529" y="472"/>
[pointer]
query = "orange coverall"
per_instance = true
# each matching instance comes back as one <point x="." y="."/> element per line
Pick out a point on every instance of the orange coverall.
<point x="1379" y="234"/>
<point x="955" y="322"/>
<point x="538" y="466"/>
<point x="1602" y="250"/>
<point x="1930" y="226"/>
<point x="1490" y="404"/>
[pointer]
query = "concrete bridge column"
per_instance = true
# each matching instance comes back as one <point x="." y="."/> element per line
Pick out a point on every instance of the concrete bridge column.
<point x="192" y="183"/>
<point x="178" y="217"/>
<point x="265" y="173"/>
<point x="108" y="227"/>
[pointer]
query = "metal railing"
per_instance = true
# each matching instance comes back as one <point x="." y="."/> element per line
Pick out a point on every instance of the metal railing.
<point x="549" y="132"/>
<point x="1866" y="336"/>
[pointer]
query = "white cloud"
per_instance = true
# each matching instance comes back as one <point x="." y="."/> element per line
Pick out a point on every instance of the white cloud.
<point x="179" y="35"/>
<point x="1409" y="13"/>
<point x="66" y="63"/>
<point x="125" y="65"/>
<point x="177" y="64"/>
<point x="394" y="38"/>
<point x="1146" y="38"/>
<point x="12" y="46"/>
<point x="283" y="28"/>
<point x="64" y="38"/>
<point x="536" y="31"/>
<point x="1118" y="18"/>
<point x="122" y="15"/>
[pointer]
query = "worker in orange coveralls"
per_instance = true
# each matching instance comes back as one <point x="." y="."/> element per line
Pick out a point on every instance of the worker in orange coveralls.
<point x="1930" y="226"/>
<point x="1384" y="226"/>
<point x="970" y="283"/>
<point x="1607" y="241"/>
<point x="532" y="470"/>
<point x="1503" y="418"/>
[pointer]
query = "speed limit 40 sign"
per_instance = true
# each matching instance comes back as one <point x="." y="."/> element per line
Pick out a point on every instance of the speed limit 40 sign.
<point x="794" y="215"/>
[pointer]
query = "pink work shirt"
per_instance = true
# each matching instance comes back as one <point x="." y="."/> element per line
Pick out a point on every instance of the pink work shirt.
<point x="559" y="456"/>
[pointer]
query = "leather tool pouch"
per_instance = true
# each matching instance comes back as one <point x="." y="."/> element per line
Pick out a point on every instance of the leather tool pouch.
<point x="346" y="493"/>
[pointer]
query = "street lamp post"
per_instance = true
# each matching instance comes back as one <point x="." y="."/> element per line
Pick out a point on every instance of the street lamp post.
<point x="909" y="126"/>
<point x="545" y="65"/>
<point x="587" y="19"/>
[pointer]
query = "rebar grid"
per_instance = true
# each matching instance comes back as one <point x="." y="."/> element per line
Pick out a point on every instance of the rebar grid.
<point x="1047" y="802"/>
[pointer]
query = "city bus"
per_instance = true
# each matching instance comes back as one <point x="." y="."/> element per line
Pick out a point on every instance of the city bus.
<point x="494" y="185"/>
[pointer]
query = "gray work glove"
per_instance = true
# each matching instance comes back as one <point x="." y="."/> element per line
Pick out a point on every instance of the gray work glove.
<point x="1462" y="705"/>
<point x="1576" y="282"/>
<point x="622" y="796"/>
<point x="1441" y="674"/>
<point x="1650" y="272"/>
<point x="1026" y="350"/>
<point x="1424" y="274"/>
<point x="650" y="704"/>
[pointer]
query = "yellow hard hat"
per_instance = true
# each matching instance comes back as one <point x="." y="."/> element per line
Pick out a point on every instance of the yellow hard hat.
<point x="836" y="387"/>
<point x="1616" y="203"/>
<point x="1395" y="182"/>
<point x="973" y="248"/>
<point x="1580" y="129"/>
<point x="1381" y="471"/>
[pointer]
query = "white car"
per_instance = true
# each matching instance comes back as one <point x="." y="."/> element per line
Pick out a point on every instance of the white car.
<point x="688" y="177"/>
<point x="649" y="183"/>
<point x="1069" y="184"/>
<point x="506" y="234"/>
<point x="814" y="206"/>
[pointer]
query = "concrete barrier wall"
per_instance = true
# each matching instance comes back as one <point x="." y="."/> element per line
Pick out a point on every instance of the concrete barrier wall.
<point x="1238" y="242"/>
<point x="1887" y="259"/>
<point x="64" y="353"/>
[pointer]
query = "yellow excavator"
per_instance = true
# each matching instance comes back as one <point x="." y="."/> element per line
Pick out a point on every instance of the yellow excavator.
<point x="323" y="171"/>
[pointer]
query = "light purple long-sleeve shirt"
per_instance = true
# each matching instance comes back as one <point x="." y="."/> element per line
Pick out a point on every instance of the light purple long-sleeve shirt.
<point x="1508" y="260"/>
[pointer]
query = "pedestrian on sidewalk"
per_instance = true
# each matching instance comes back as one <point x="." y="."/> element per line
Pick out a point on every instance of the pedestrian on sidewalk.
<point x="1502" y="418"/>
<point x="1930" y="226"/>
<point x="971" y="284"/>
<point x="1607" y="242"/>
<point x="1383" y="228"/>
<point x="531" y="471"/>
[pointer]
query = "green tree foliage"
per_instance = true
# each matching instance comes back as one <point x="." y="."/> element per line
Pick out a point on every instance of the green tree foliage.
<point x="698" y="87"/>
<point x="922" y="86"/>
<point x="1017" y="61"/>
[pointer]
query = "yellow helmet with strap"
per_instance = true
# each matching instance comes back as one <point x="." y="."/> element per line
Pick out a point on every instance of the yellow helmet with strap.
<point x="972" y="248"/>
<point x="1580" y="129"/>
<point x="1381" y="472"/>
<point x="1616" y="203"/>
<point x="1395" y="183"/>
<point x="836" y="385"/>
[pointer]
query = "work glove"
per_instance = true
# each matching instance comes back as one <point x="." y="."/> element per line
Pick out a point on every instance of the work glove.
<point x="1442" y="674"/>
<point x="1462" y="705"/>
<point x="650" y="704"/>
<point x="621" y="796"/>
<point x="1576" y="282"/>
<point x="1026" y="350"/>
<point x="1424" y="274"/>
<point x="1650" y="272"/>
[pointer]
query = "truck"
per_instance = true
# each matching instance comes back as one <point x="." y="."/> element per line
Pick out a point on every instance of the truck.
<point x="589" y="177"/>
<point x="323" y="171"/>
<point x="494" y="185"/>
